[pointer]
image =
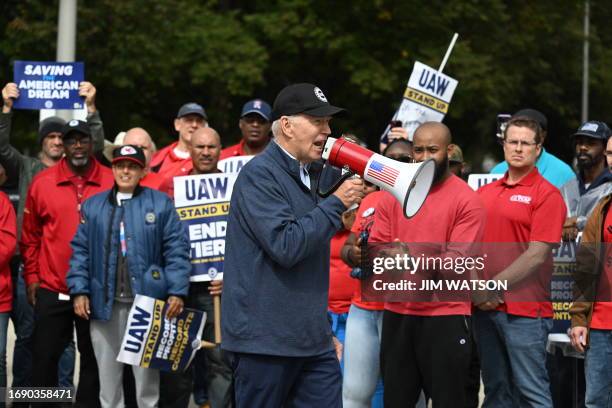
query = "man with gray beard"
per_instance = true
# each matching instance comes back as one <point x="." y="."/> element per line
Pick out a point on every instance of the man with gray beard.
<point x="51" y="218"/>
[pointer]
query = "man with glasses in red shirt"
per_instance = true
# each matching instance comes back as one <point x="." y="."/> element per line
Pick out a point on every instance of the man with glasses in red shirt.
<point x="525" y="215"/>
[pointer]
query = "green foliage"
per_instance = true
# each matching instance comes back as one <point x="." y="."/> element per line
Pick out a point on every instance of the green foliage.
<point x="148" y="57"/>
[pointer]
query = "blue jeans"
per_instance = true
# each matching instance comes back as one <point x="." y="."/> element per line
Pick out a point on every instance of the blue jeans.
<point x="338" y="322"/>
<point x="362" y="385"/>
<point x="513" y="359"/>
<point x="598" y="369"/>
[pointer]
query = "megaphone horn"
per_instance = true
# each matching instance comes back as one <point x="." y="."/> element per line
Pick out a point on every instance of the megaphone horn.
<point x="409" y="183"/>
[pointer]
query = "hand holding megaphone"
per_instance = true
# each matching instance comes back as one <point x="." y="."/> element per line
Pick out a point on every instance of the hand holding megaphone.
<point x="351" y="191"/>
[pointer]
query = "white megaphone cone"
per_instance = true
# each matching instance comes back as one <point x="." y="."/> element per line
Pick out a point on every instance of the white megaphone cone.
<point x="408" y="182"/>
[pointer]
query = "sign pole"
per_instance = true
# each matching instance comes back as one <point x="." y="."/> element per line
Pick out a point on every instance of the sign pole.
<point x="448" y="52"/>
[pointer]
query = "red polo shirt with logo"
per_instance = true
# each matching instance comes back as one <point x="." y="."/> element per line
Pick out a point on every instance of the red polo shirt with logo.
<point x="451" y="218"/>
<point x="531" y="210"/>
<point x="51" y="218"/>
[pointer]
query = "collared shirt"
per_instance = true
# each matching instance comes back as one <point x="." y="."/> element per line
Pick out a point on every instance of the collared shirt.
<point x="555" y="171"/>
<point x="531" y="210"/>
<point x="233" y="151"/>
<point x="304" y="167"/>
<point x="51" y="217"/>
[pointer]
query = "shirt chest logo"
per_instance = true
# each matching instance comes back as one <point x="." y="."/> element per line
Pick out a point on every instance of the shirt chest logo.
<point x="518" y="198"/>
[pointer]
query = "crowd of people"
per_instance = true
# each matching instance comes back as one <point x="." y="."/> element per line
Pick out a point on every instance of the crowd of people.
<point x="91" y="223"/>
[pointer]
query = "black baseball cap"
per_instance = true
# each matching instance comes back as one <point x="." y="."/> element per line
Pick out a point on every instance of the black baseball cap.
<point x="594" y="129"/>
<point x="303" y="98"/>
<point x="76" y="126"/>
<point x="533" y="115"/>
<point x="130" y="153"/>
<point x="192" y="108"/>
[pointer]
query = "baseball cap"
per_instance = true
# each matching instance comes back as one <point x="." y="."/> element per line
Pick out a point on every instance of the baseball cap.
<point x="262" y="108"/>
<point x="50" y="125"/>
<point x="594" y="129"/>
<point x="76" y="126"/>
<point x="303" y="98"/>
<point x="456" y="154"/>
<point x="131" y="153"/>
<point x="192" y="108"/>
<point x="533" y="115"/>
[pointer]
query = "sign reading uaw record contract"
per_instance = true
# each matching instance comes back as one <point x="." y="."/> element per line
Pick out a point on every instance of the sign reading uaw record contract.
<point x="202" y="203"/>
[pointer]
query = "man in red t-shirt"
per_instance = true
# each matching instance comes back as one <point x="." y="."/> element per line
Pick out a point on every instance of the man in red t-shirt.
<point x="524" y="219"/>
<point x="591" y="310"/>
<point x="174" y="159"/>
<point x="427" y="345"/>
<point x="255" y="128"/>
<point x="51" y="217"/>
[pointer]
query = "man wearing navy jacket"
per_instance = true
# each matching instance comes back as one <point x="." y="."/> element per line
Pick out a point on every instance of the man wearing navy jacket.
<point x="276" y="274"/>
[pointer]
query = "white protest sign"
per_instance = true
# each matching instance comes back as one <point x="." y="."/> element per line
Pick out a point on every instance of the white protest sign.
<point x="202" y="203"/>
<point x="233" y="165"/>
<point x="478" y="180"/>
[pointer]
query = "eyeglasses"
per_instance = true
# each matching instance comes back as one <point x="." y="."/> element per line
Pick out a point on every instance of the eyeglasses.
<point x="517" y="143"/>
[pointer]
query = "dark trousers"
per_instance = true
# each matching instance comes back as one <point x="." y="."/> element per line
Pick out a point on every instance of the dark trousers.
<point x="262" y="381"/>
<point x="567" y="381"/>
<point x="472" y="382"/>
<point x="54" y="322"/>
<point x="429" y="353"/>
<point x="176" y="387"/>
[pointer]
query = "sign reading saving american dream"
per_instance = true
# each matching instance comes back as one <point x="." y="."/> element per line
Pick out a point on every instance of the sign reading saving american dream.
<point x="48" y="85"/>
<point x="202" y="203"/>
<point x="153" y="341"/>
<point x="233" y="165"/>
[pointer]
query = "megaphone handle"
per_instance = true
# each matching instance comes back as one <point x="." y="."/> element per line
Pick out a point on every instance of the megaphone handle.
<point x="338" y="183"/>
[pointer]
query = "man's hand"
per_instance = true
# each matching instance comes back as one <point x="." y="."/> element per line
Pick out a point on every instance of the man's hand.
<point x="350" y="192"/>
<point x="397" y="133"/>
<point x="88" y="91"/>
<point x="81" y="306"/>
<point x="354" y="252"/>
<point x="10" y="92"/>
<point x="338" y="347"/>
<point x="570" y="229"/>
<point x="175" y="306"/>
<point x="216" y="287"/>
<point x="31" y="292"/>
<point x="578" y="337"/>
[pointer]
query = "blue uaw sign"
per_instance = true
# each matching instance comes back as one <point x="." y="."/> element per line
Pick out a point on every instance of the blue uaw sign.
<point x="202" y="203"/>
<point x="233" y="165"/>
<point x="48" y="85"/>
<point x="153" y="341"/>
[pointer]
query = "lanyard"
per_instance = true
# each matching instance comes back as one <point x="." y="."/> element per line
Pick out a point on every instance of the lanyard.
<point x="122" y="239"/>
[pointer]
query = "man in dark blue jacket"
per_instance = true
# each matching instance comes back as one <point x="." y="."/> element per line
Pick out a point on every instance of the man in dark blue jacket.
<point x="276" y="272"/>
<point x="130" y="241"/>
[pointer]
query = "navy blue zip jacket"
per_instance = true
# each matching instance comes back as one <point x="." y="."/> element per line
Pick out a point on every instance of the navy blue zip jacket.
<point x="276" y="271"/>
<point x="157" y="249"/>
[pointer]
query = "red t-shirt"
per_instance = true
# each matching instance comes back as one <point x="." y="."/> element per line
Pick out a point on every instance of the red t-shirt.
<point x="364" y="219"/>
<point x="341" y="285"/>
<point x="532" y="210"/>
<point x="452" y="217"/>
<point x="602" y="311"/>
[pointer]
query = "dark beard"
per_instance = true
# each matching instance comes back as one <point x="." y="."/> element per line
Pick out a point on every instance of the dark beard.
<point x="584" y="164"/>
<point x="441" y="169"/>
